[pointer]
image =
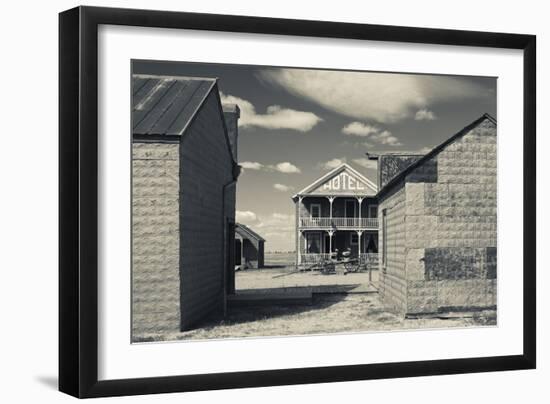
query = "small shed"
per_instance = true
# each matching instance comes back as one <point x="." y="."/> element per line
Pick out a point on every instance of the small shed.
<point x="184" y="177"/>
<point x="438" y="226"/>
<point x="249" y="248"/>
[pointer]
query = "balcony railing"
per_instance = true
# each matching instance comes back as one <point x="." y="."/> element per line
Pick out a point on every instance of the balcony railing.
<point x="340" y="222"/>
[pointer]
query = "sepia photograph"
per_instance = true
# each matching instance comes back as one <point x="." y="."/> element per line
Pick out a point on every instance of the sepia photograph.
<point x="273" y="201"/>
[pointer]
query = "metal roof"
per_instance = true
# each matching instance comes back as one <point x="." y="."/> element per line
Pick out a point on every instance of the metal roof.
<point x="165" y="105"/>
<point x="395" y="180"/>
<point x="246" y="231"/>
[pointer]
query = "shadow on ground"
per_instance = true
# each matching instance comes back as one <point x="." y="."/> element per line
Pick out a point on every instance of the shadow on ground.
<point x="254" y="311"/>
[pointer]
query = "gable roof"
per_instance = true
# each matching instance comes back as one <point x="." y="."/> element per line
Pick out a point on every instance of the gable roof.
<point x="344" y="167"/>
<point x="246" y="231"/>
<point x="165" y="105"/>
<point x="434" y="152"/>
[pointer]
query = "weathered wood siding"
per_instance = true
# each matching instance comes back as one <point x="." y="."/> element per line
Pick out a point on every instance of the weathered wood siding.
<point x="253" y="253"/>
<point x="155" y="238"/>
<point x="230" y="201"/>
<point x="205" y="167"/>
<point x="449" y="210"/>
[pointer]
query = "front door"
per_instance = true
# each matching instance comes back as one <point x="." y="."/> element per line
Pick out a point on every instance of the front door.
<point x="350" y="211"/>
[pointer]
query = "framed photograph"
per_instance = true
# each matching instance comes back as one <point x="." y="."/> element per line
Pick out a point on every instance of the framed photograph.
<point x="251" y="201"/>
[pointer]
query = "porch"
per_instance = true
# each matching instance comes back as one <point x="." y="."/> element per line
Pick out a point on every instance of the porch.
<point x="370" y="258"/>
<point x="317" y="245"/>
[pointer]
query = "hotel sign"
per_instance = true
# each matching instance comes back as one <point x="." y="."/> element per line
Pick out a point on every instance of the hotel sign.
<point x="343" y="182"/>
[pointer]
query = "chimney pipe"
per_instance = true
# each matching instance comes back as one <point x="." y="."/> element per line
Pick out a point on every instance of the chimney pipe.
<point x="231" y="114"/>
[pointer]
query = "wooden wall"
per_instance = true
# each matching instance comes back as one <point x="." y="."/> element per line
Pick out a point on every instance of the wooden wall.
<point x="206" y="166"/>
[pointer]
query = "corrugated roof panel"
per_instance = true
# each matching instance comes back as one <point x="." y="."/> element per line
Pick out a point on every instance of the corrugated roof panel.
<point x="182" y="120"/>
<point x="162" y="126"/>
<point x="159" y="109"/>
<point x="137" y="83"/>
<point x="148" y="103"/>
<point x="165" y="105"/>
<point x="247" y="232"/>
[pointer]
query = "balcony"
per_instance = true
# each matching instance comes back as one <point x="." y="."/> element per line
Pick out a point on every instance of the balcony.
<point x="339" y="223"/>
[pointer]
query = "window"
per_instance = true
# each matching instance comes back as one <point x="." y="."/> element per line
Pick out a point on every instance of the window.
<point x="350" y="208"/>
<point x="373" y="211"/>
<point x="313" y="243"/>
<point x="315" y="210"/>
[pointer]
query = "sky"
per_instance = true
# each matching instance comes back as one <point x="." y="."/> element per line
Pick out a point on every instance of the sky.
<point x="297" y="124"/>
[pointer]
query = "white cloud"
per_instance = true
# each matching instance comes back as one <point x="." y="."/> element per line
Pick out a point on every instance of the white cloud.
<point x="251" y="165"/>
<point x="246" y="216"/>
<point x="276" y="117"/>
<point x="285" y="167"/>
<point x="359" y="129"/>
<point x="332" y="164"/>
<point x="371" y="133"/>
<point x="282" y="187"/>
<point x="365" y="162"/>
<point x="424" y="115"/>
<point x="386" y="138"/>
<point x="278" y="230"/>
<point x="337" y="162"/>
<point x="383" y="97"/>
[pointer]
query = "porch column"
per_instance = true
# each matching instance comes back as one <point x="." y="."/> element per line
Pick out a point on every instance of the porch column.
<point x="359" y="233"/>
<point x="330" y="200"/>
<point x="360" y="200"/>
<point x="330" y="233"/>
<point x="299" y="235"/>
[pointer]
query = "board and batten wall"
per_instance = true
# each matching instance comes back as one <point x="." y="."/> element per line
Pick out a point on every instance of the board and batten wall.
<point x="441" y="224"/>
<point x="207" y="202"/>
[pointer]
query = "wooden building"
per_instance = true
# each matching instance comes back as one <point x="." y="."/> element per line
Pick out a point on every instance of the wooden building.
<point x="184" y="175"/>
<point x="336" y="212"/>
<point x="438" y="225"/>
<point x="249" y="248"/>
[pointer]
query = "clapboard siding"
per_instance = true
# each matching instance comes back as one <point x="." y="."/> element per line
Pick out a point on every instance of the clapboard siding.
<point x="205" y="168"/>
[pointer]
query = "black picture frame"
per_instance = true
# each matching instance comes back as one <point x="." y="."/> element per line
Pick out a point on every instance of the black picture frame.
<point x="78" y="201"/>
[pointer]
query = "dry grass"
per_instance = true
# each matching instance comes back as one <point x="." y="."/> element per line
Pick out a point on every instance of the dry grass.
<point x="327" y="314"/>
<point x="332" y="313"/>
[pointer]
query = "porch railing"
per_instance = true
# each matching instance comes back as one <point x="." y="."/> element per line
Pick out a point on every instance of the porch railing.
<point x="340" y="222"/>
<point x="312" y="258"/>
<point x="370" y="259"/>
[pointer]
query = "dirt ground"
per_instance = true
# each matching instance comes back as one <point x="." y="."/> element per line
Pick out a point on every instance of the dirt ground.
<point x="327" y="313"/>
<point x="285" y="278"/>
<point x="330" y="313"/>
